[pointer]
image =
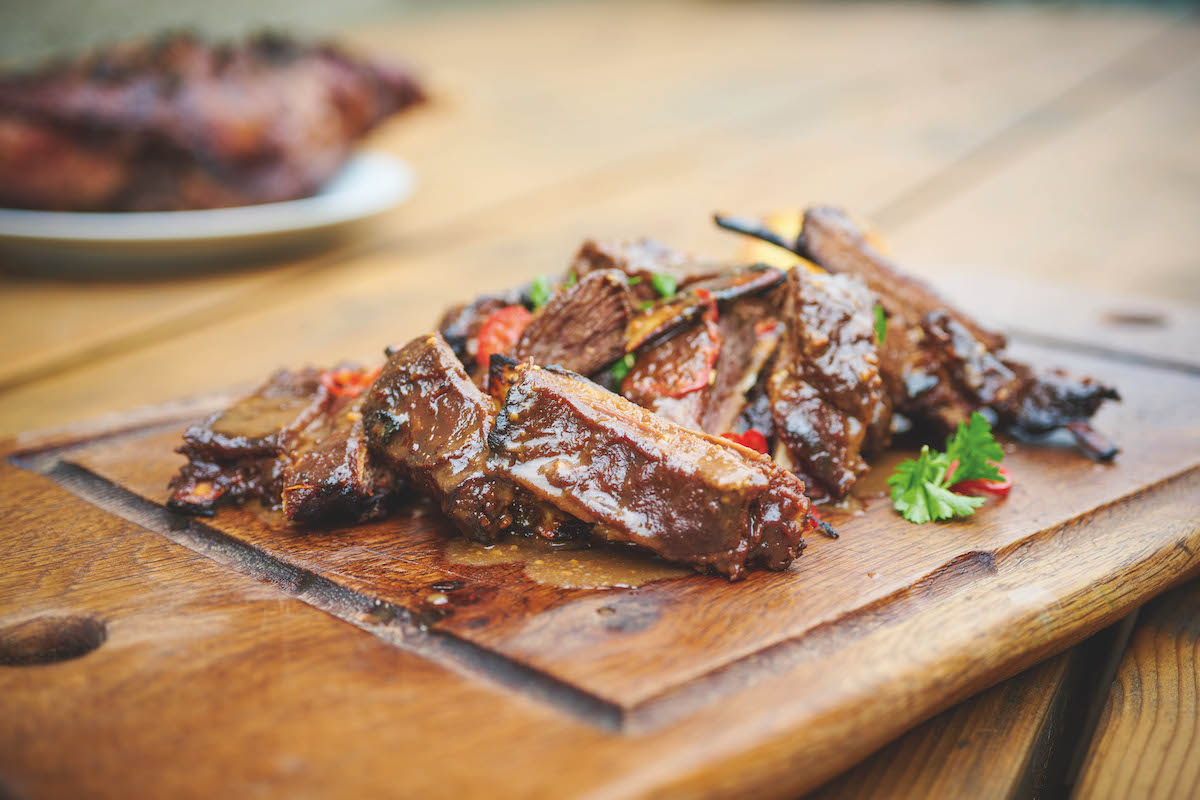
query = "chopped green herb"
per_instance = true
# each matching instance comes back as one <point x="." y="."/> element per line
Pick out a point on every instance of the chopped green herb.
<point x="664" y="284"/>
<point x="621" y="367"/>
<point x="646" y="305"/>
<point x="635" y="280"/>
<point x="572" y="279"/>
<point x="976" y="451"/>
<point x="880" y="323"/>
<point x="921" y="487"/>
<point x="539" y="291"/>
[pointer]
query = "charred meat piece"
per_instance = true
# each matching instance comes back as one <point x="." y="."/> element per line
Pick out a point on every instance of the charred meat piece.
<point x="582" y="327"/>
<point x="831" y="239"/>
<point x="939" y="364"/>
<point x="686" y="496"/>
<point x="700" y="377"/>
<point x="1053" y="399"/>
<point x="750" y="333"/>
<point x="263" y="422"/>
<point x="640" y="261"/>
<point x="177" y="124"/>
<point x="233" y="456"/>
<point x="672" y="314"/>
<point x="427" y="421"/>
<point x="460" y="325"/>
<point x="962" y="373"/>
<point x="296" y="440"/>
<point x="201" y="486"/>
<point x="671" y="377"/>
<point x="949" y="364"/>
<point x="327" y="474"/>
<point x="827" y="397"/>
<point x="563" y="457"/>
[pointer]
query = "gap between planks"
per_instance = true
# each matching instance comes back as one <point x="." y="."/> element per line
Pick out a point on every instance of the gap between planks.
<point x="1166" y="52"/>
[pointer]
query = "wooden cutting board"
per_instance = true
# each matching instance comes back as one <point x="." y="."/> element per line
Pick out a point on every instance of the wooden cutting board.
<point x="688" y="684"/>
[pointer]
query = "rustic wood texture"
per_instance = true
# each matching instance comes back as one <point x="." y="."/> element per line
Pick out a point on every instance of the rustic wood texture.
<point x="1018" y="739"/>
<point x="991" y="144"/>
<point x="981" y="749"/>
<point x="958" y="610"/>
<point x="1148" y="741"/>
<point x="615" y="656"/>
<point x="592" y="146"/>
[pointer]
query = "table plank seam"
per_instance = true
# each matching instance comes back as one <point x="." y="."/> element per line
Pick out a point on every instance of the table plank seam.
<point x="1133" y="70"/>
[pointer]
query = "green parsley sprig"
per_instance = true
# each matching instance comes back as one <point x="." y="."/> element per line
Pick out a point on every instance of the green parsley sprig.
<point x="621" y="367"/>
<point x="664" y="283"/>
<point x="880" y="323"/>
<point x="921" y="486"/>
<point x="539" y="291"/>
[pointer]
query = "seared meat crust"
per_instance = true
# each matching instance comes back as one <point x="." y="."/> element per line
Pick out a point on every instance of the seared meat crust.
<point x="178" y="124"/>
<point x="682" y="494"/>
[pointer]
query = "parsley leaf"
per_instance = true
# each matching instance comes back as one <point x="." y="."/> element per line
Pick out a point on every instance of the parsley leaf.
<point x="539" y="291"/>
<point x="880" y="323"/>
<point x="664" y="284"/>
<point x="621" y="367"/>
<point x="572" y="279"/>
<point x="974" y="448"/>
<point x="635" y="280"/>
<point x="645" y="305"/>
<point x="921" y="487"/>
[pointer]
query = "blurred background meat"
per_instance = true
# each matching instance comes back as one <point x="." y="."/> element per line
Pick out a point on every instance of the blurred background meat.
<point x="176" y="123"/>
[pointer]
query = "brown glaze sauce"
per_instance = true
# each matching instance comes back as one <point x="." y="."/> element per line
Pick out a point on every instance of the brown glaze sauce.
<point x="567" y="565"/>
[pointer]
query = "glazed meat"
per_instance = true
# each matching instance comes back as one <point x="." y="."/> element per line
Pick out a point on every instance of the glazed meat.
<point x="326" y="473"/>
<point x="832" y="240"/>
<point x="582" y="327"/>
<point x="178" y="124"/>
<point x="563" y="457"/>
<point x="427" y="421"/>
<point x="460" y="325"/>
<point x="669" y="315"/>
<point x="233" y="455"/>
<point x="641" y="260"/>
<point x="672" y="378"/>
<point x="501" y="417"/>
<point x="939" y="365"/>
<point x="827" y="397"/>
<point x="944" y="365"/>
<point x="264" y="422"/>
<point x="293" y="442"/>
<point x="685" y="495"/>
<point x="750" y="331"/>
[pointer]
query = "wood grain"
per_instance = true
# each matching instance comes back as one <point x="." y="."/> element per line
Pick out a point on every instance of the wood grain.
<point x="1148" y="741"/>
<point x="1018" y="739"/>
<point x="820" y="669"/>
<point x="1070" y="212"/>
<point x="546" y="155"/>
<point x="564" y="633"/>
<point x="1027" y="141"/>
<point x="229" y="668"/>
<point x="982" y="748"/>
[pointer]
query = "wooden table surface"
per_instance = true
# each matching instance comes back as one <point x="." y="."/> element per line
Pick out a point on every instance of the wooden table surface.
<point x="994" y="145"/>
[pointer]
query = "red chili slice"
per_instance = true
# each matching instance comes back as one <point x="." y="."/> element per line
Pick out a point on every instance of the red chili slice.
<point x="751" y="438"/>
<point x="679" y="366"/>
<point x="977" y="485"/>
<point x="500" y="332"/>
<point x="348" y="382"/>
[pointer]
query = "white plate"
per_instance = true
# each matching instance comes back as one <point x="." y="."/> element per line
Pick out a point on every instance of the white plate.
<point x="368" y="184"/>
